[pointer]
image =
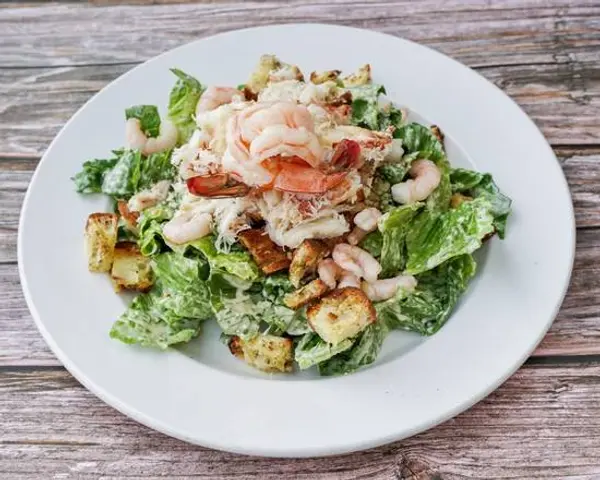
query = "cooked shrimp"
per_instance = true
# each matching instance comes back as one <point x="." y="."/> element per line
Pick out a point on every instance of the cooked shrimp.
<point x="333" y="275"/>
<point x="367" y="219"/>
<point x="136" y="139"/>
<point x="380" y="290"/>
<point x="280" y="140"/>
<point x="187" y="226"/>
<point x="149" y="197"/>
<point x="214" y="97"/>
<point x="295" y="178"/>
<point x="426" y="177"/>
<point x="356" y="236"/>
<point x="356" y="261"/>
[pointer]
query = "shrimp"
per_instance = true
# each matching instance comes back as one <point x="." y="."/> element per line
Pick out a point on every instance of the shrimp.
<point x="356" y="261"/>
<point x="136" y="139"/>
<point x="297" y="178"/>
<point x="330" y="273"/>
<point x="188" y="226"/>
<point x="280" y="140"/>
<point x="380" y="290"/>
<point x="366" y="222"/>
<point x="149" y="197"/>
<point x="216" y="186"/>
<point x="426" y="177"/>
<point x="214" y="97"/>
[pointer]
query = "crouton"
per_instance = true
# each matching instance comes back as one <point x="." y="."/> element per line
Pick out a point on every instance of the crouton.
<point x="342" y="314"/>
<point x="457" y="199"/>
<point x="100" y="239"/>
<point x="305" y="260"/>
<point x="437" y="133"/>
<point x="271" y="69"/>
<point x="129" y="218"/>
<point x="269" y="256"/>
<point x="308" y="293"/>
<point x="130" y="269"/>
<point x="326" y="76"/>
<point x="264" y="352"/>
<point x="361" y="77"/>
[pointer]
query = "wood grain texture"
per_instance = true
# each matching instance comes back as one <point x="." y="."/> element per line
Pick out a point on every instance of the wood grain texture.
<point x="543" y="423"/>
<point x="576" y="330"/>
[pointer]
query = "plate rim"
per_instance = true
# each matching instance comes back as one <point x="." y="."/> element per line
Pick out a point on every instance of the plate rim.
<point x="142" y="418"/>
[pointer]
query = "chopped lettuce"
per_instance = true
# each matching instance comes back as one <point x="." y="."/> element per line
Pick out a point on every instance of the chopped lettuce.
<point x="148" y="116"/>
<point x="418" y="139"/>
<point x="395" y="172"/>
<point x="368" y="113"/>
<point x="381" y="193"/>
<point x="395" y="226"/>
<point x="238" y="315"/>
<point x="154" y="168"/>
<point x="123" y="180"/>
<point x="238" y="264"/>
<point x="364" y="352"/>
<point x="150" y="226"/>
<point x="477" y="185"/>
<point x="279" y="317"/>
<point x="312" y="350"/>
<point x="435" y="238"/>
<point x="429" y="306"/>
<point x="172" y="312"/>
<point x="373" y="243"/>
<point x="182" y="103"/>
<point x="91" y="177"/>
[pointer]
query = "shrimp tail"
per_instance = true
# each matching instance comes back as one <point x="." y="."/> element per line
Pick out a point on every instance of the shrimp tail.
<point x="220" y="185"/>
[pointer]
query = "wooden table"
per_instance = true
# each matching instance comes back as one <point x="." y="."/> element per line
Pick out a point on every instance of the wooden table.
<point x="543" y="423"/>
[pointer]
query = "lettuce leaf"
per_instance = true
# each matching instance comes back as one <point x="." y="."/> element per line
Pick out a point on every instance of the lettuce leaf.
<point x="182" y="104"/>
<point x="280" y="318"/>
<point x="368" y="113"/>
<point x="238" y="264"/>
<point x="312" y="350"/>
<point x="172" y="312"/>
<point x="394" y="226"/>
<point x="373" y="243"/>
<point x="364" y="352"/>
<point x="154" y="168"/>
<point x="476" y="185"/>
<point x="429" y="306"/>
<point x="91" y="177"/>
<point x="434" y="238"/>
<point x="148" y="116"/>
<point x="395" y="172"/>
<point x="123" y="180"/>
<point x="150" y="226"/>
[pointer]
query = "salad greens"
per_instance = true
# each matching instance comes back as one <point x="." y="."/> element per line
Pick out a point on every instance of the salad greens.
<point x="431" y="240"/>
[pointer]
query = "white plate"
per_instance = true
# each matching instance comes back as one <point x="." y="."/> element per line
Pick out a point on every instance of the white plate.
<point x="203" y="395"/>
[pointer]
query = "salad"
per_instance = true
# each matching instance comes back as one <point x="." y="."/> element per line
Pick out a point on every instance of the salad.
<point x="307" y="217"/>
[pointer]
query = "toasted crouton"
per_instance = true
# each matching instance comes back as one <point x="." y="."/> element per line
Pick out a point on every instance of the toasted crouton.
<point x="264" y="352"/>
<point x="100" y="240"/>
<point x="305" y="259"/>
<point x="326" y="76"/>
<point x="361" y="77"/>
<point x="457" y="199"/>
<point x="271" y="69"/>
<point x="342" y="314"/>
<point x="437" y="133"/>
<point x="269" y="256"/>
<point x="131" y="270"/>
<point x="309" y="292"/>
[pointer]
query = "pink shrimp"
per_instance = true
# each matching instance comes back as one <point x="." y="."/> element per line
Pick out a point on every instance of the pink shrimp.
<point x="214" y="97"/>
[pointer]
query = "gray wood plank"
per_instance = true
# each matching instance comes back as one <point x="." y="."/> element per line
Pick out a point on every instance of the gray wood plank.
<point x="576" y="330"/>
<point x="543" y="423"/>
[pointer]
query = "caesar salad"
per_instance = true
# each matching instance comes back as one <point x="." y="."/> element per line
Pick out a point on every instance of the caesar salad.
<point x="308" y="218"/>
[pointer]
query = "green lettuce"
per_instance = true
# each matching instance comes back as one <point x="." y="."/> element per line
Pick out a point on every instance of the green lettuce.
<point x="280" y="318"/>
<point x="363" y="352"/>
<point x="381" y="193"/>
<point x="148" y="116"/>
<point x="395" y="226"/>
<point x="477" y="185"/>
<point x="429" y="306"/>
<point x="91" y="177"/>
<point x="182" y="104"/>
<point x="312" y="350"/>
<point x="124" y="178"/>
<point x="173" y="311"/>
<point x="395" y="172"/>
<point x="368" y="113"/>
<point x="434" y="238"/>
<point x="373" y="243"/>
<point x="154" y="168"/>
<point x="150" y="225"/>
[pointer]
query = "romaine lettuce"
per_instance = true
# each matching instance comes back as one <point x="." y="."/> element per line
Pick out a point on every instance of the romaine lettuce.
<point x="312" y="350"/>
<point x="91" y="177"/>
<point x="123" y="180"/>
<point x="373" y="243"/>
<point x="238" y="264"/>
<point x="364" y="351"/>
<point x="429" y="306"/>
<point x="172" y="311"/>
<point x="476" y="185"/>
<point x="434" y="238"/>
<point x="150" y="226"/>
<point x="182" y="104"/>
<point x="368" y="113"/>
<point x="148" y="116"/>
<point x="154" y="168"/>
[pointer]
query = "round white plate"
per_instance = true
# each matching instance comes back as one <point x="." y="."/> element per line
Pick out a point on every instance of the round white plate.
<point x="200" y="393"/>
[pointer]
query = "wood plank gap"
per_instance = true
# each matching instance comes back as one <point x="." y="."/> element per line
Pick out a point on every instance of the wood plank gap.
<point x="557" y="360"/>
